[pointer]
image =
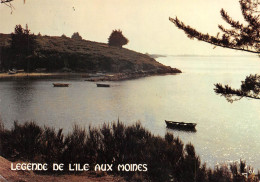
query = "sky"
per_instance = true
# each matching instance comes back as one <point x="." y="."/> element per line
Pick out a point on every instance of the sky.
<point x="144" y="22"/>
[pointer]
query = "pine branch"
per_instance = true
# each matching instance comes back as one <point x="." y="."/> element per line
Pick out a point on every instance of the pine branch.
<point x="8" y="3"/>
<point x="193" y="33"/>
<point x="229" y="20"/>
<point x="5" y="1"/>
<point x="250" y="88"/>
<point x="239" y="37"/>
<point x="248" y="8"/>
<point x="235" y="48"/>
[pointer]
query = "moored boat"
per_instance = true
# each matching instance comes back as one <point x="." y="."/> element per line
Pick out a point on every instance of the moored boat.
<point x="90" y="80"/>
<point x="180" y="125"/>
<point x="102" y="85"/>
<point x="12" y="72"/>
<point x="60" y="84"/>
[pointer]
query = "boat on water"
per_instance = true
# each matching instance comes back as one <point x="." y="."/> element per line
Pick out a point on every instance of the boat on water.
<point x="90" y="80"/>
<point x="181" y="125"/>
<point x="102" y="85"/>
<point x="12" y="72"/>
<point x="60" y="84"/>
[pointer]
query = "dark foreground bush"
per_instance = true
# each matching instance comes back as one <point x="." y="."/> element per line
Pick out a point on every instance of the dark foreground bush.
<point x="167" y="158"/>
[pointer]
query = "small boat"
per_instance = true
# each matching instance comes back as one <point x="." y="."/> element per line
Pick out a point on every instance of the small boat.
<point x="97" y="75"/>
<point x="102" y="85"/>
<point x="90" y="80"/>
<point x="12" y="72"/>
<point x="180" y="125"/>
<point x="60" y="84"/>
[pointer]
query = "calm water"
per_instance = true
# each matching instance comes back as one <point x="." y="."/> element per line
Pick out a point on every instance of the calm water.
<point x="225" y="132"/>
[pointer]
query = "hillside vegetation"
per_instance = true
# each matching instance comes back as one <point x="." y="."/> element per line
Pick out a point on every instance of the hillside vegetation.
<point x="55" y="53"/>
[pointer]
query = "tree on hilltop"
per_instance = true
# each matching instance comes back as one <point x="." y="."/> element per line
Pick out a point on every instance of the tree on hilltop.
<point x="22" y="41"/>
<point x="243" y="37"/>
<point x="76" y="36"/>
<point x="117" y="39"/>
<point x="23" y="46"/>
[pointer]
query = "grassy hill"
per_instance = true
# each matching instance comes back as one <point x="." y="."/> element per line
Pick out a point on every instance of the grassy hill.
<point x="55" y="53"/>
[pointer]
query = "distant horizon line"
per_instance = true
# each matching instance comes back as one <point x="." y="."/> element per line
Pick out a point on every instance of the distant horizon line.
<point x="203" y="55"/>
<point x="217" y="55"/>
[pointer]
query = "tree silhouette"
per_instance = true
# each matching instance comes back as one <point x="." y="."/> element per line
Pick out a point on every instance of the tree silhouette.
<point x="117" y="39"/>
<point x="23" y="45"/>
<point x="243" y="37"/>
<point x="22" y="41"/>
<point x="76" y="36"/>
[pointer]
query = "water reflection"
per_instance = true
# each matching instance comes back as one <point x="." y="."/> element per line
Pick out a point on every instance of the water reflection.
<point x="16" y="97"/>
<point x="22" y="92"/>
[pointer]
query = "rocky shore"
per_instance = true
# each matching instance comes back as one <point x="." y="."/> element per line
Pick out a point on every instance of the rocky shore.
<point x="93" y="77"/>
<point x="127" y="76"/>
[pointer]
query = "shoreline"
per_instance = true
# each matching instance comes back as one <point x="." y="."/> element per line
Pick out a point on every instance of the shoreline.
<point x="94" y="77"/>
<point x="35" y="75"/>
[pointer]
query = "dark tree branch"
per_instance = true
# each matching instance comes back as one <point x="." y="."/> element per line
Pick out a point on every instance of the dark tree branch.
<point x="239" y="49"/>
<point x="250" y="88"/>
<point x="229" y="20"/>
<point x="243" y="37"/>
<point x="193" y="33"/>
<point x="8" y="3"/>
<point x="5" y="1"/>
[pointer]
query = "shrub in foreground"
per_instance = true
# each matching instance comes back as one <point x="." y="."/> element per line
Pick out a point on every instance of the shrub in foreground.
<point x="167" y="158"/>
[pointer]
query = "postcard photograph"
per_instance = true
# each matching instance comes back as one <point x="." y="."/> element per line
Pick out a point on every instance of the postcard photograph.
<point x="129" y="90"/>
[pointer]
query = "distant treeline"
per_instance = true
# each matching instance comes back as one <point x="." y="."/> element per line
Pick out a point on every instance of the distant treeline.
<point x="24" y="50"/>
<point x="167" y="158"/>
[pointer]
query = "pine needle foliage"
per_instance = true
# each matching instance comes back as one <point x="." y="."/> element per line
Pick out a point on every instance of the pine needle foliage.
<point x="239" y="36"/>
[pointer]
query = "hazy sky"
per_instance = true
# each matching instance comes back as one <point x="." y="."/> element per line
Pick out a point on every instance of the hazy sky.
<point x="144" y="22"/>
